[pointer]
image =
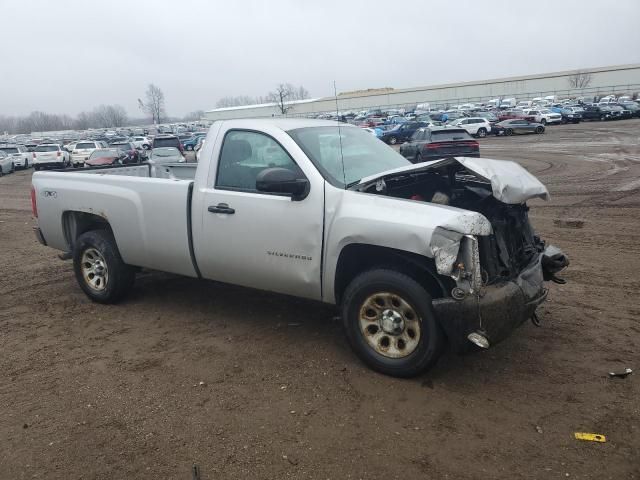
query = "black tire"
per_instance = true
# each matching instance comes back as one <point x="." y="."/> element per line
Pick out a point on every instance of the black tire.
<point x="482" y="132"/>
<point x="418" y="158"/>
<point x="120" y="275"/>
<point x="396" y="284"/>
<point x="13" y="168"/>
<point x="36" y="167"/>
<point x="543" y="121"/>
<point x="508" y="132"/>
<point x="602" y="118"/>
<point x="393" y="140"/>
<point x="540" y="129"/>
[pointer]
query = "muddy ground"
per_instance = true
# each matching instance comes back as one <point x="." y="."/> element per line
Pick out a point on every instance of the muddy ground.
<point x="113" y="392"/>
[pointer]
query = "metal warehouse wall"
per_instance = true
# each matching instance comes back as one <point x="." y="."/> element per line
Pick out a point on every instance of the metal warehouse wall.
<point x="605" y="80"/>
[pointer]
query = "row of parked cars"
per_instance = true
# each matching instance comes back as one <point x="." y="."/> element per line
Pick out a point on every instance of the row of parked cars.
<point x="163" y="148"/>
<point x="394" y="128"/>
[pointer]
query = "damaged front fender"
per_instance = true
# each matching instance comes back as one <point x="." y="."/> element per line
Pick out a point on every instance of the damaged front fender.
<point x="457" y="256"/>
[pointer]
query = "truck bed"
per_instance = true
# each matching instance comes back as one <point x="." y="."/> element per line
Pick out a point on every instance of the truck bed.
<point x="148" y="209"/>
<point x="181" y="171"/>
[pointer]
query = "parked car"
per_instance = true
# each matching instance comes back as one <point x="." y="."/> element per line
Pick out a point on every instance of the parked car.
<point x="476" y="126"/>
<point x="633" y="107"/>
<point x="401" y="133"/>
<point x="133" y="155"/>
<point x="19" y="155"/>
<point x="517" y="125"/>
<point x="594" y="112"/>
<point x="6" y="164"/>
<point x="433" y="143"/>
<point x="620" y="112"/>
<point x="50" y="155"/>
<point x="167" y="141"/>
<point x="415" y="256"/>
<point x="190" y="143"/>
<point x="106" y="156"/>
<point x="141" y="142"/>
<point x="570" y="116"/>
<point x="542" y="116"/>
<point x="81" y="152"/>
<point x="162" y="155"/>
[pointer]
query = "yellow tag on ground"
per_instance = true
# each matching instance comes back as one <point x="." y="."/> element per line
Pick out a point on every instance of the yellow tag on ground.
<point x="590" y="437"/>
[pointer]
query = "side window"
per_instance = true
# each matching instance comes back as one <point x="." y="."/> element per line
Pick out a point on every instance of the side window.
<point x="245" y="154"/>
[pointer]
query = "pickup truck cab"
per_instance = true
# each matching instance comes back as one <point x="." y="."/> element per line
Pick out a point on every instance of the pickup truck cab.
<point x="415" y="256"/>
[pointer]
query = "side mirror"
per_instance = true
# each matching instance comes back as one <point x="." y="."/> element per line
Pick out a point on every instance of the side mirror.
<point x="282" y="180"/>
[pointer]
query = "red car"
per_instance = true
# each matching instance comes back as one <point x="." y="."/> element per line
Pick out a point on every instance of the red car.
<point x="105" y="156"/>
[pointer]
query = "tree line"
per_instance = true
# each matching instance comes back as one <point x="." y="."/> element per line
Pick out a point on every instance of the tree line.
<point x="284" y="92"/>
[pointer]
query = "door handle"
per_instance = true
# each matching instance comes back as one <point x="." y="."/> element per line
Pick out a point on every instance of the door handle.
<point x="221" y="208"/>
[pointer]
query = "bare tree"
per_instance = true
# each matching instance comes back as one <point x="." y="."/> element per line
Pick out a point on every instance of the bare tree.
<point x="226" y="102"/>
<point x="154" y="104"/>
<point x="281" y="97"/>
<point x="192" y="116"/>
<point x="580" y="80"/>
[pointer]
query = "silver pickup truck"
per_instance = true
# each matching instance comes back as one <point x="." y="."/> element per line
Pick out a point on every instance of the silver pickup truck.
<point x="416" y="256"/>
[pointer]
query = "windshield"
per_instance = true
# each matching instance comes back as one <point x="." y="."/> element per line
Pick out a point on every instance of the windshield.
<point x="9" y="150"/>
<point x="165" y="142"/>
<point x="346" y="157"/>
<point x="449" y="135"/>
<point x="47" y="148"/>
<point x="81" y="146"/>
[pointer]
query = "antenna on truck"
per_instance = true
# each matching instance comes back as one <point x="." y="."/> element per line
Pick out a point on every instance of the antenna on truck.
<point x="335" y="95"/>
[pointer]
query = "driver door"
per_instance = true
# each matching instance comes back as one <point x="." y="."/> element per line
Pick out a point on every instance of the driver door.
<point x="259" y="239"/>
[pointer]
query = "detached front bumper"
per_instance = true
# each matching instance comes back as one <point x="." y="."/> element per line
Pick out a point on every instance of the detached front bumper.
<point x="496" y="311"/>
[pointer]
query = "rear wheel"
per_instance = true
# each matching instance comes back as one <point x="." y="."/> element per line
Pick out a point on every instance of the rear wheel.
<point x="508" y="132"/>
<point x="99" y="268"/>
<point x="390" y="323"/>
<point x="482" y="132"/>
<point x="393" y="140"/>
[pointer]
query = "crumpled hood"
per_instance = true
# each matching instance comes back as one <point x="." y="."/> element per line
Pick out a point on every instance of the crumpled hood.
<point x="510" y="182"/>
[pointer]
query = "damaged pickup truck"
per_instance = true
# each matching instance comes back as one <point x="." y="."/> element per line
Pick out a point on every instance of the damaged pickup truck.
<point x="416" y="256"/>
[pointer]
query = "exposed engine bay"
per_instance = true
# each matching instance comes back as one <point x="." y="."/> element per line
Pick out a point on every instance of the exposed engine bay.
<point x="513" y="243"/>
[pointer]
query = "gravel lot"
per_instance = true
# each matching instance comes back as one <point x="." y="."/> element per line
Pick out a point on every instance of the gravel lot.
<point x="113" y="392"/>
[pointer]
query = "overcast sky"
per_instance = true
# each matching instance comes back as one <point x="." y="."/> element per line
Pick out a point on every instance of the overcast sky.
<point x="65" y="56"/>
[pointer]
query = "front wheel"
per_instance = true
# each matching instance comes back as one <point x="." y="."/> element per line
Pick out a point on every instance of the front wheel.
<point x="543" y="121"/>
<point x="508" y="132"/>
<point x="99" y="268"/>
<point x="539" y="129"/>
<point x="390" y="323"/>
<point x="393" y="140"/>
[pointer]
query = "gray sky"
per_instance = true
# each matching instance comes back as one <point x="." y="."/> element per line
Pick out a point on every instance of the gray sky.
<point x="65" y="56"/>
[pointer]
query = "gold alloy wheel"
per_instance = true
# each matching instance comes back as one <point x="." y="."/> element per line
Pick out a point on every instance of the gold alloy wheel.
<point x="94" y="269"/>
<point x="390" y="325"/>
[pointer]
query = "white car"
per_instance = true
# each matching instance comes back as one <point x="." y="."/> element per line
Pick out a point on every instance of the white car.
<point x="50" y="155"/>
<point x="82" y="150"/>
<point x="141" y="142"/>
<point x="19" y="155"/>
<point x="477" y="126"/>
<point x="6" y="164"/>
<point x="543" y="116"/>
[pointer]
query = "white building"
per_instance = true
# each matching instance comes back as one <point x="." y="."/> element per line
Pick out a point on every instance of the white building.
<point x="621" y="79"/>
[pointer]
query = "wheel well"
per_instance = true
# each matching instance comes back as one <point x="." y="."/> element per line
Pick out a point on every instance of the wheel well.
<point x="357" y="258"/>
<point x="75" y="224"/>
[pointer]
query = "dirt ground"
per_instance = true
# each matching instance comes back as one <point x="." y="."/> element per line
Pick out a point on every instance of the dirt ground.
<point x="113" y="392"/>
